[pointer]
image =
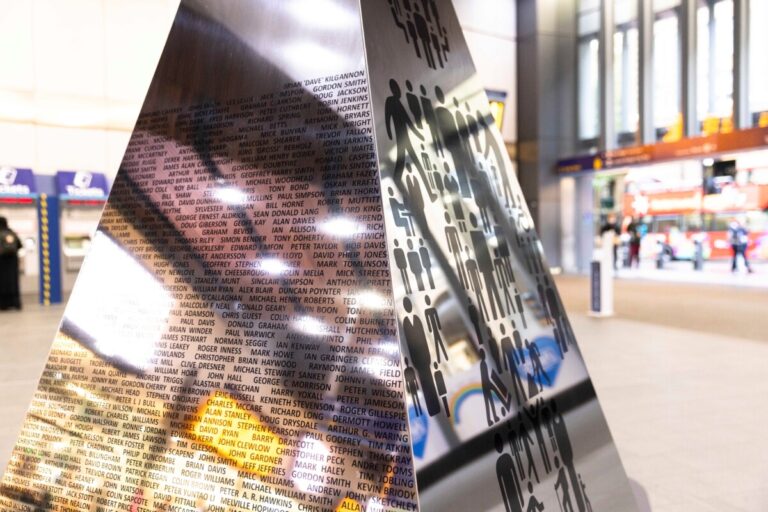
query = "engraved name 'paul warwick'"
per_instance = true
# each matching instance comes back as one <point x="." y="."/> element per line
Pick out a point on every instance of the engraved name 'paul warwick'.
<point x="250" y="361"/>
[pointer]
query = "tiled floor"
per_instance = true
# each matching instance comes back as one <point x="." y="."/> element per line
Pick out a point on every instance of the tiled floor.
<point x="25" y="339"/>
<point x="713" y="272"/>
<point x="680" y="371"/>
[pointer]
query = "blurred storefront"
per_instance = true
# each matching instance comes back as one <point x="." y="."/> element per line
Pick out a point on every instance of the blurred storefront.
<point x="672" y="130"/>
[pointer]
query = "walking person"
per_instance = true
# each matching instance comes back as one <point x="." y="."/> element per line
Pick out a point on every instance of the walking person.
<point x="9" y="267"/>
<point x="738" y="235"/>
<point x="635" y="236"/>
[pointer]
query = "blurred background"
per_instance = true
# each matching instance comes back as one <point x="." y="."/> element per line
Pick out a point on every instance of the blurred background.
<point x="639" y="130"/>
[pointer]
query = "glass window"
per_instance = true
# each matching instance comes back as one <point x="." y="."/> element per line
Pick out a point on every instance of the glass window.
<point x="758" y="62"/>
<point x="625" y="72"/>
<point x="589" y="69"/>
<point x="667" y="115"/>
<point x="715" y="65"/>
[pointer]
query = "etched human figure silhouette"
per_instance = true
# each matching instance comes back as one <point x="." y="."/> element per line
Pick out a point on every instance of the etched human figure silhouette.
<point x="428" y="112"/>
<point x="418" y="348"/>
<point x="525" y="439"/>
<point x="492" y="386"/>
<point x="442" y="390"/>
<point x="504" y="281"/>
<point x="414" y="103"/>
<point x="414" y="198"/>
<point x="412" y="182"/>
<point x="508" y="481"/>
<point x="485" y="265"/>
<point x="426" y="10"/>
<point x="512" y="362"/>
<point x="547" y="421"/>
<point x="426" y="162"/>
<point x="473" y="127"/>
<point x="481" y="189"/>
<point x="516" y="447"/>
<point x="412" y="386"/>
<point x="436" y="44"/>
<point x="539" y="374"/>
<point x="491" y="144"/>
<point x="587" y="503"/>
<point x="559" y="319"/>
<point x="566" y="452"/>
<point x="521" y="311"/>
<point x="475" y="283"/>
<point x="474" y="317"/>
<point x="434" y="327"/>
<point x="514" y="222"/>
<point x="400" y="213"/>
<point x="454" y="197"/>
<point x="426" y="262"/>
<point x="534" y="505"/>
<point x="397" y="17"/>
<point x="449" y="135"/>
<point x="454" y="247"/>
<point x="493" y="347"/>
<point x="399" y="128"/>
<point x="422" y="29"/>
<point x="437" y="181"/>
<point x="464" y="141"/>
<point x="412" y="30"/>
<point x="532" y="247"/>
<point x="414" y="262"/>
<point x="533" y="412"/>
<point x="562" y="488"/>
<point x="504" y="253"/>
<point x="402" y="264"/>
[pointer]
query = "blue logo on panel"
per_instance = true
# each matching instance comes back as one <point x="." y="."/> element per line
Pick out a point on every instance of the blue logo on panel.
<point x="419" y="431"/>
<point x="547" y="358"/>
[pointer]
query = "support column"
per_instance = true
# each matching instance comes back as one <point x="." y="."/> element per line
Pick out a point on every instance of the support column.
<point x="645" y="75"/>
<point x="546" y="109"/>
<point x="607" y="121"/>
<point x="741" y="114"/>
<point x="688" y="82"/>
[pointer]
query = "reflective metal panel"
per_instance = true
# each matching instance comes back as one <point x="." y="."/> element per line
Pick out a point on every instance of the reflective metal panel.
<point x="502" y="412"/>
<point x="231" y="343"/>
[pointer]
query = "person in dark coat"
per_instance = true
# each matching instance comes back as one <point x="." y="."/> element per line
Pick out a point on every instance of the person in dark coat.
<point x="9" y="267"/>
<point x="739" y="238"/>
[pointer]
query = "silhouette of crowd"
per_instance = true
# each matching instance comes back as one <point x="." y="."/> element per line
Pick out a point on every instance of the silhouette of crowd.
<point x="419" y="20"/>
<point x="448" y="159"/>
<point x="541" y="428"/>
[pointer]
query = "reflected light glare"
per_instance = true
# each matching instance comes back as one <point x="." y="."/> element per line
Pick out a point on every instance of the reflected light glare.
<point x="375" y="506"/>
<point x="309" y="464"/>
<point x="237" y="443"/>
<point x="306" y="52"/>
<point x="231" y="195"/>
<point x="341" y="226"/>
<point x="372" y="300"/>
<point x="376" y="364"/>
<point x="274" y="266"/>
<point x="309" y="325"/>
<point x="84" y="393"/>
<point x="320" y="13"/>
<point x="111" y="284"/>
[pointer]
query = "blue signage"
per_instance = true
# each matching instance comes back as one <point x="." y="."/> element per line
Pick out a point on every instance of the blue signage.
<point x="419" y="431"/>
<point x="81" y="185"/>
<point x="17" y="182"/>
<point x="544" y="366"/>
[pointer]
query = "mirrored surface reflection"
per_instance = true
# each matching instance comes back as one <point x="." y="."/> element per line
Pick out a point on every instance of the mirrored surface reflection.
<point x="502" y="412"/>
<point x="231" y="343"/>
